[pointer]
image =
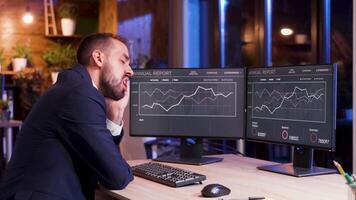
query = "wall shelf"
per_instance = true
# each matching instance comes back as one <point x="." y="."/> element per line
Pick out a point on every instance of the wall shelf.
<point x="7" y="72"/>
<point x="64" y="36"/>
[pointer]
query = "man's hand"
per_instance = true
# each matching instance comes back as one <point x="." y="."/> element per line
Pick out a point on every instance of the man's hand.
<point x="115" y="109"/>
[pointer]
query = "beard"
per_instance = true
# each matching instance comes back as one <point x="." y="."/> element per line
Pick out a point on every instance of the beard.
<point x="111" y="86"/>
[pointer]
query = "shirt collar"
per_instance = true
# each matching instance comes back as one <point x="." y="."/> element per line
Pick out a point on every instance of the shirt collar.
<point x="94" y="85"/>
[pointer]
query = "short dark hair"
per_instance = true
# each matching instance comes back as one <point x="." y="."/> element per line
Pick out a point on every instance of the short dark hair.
<point x="101" y="41"/>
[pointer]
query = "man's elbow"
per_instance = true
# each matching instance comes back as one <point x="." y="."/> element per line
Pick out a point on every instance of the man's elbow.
<point x="120" y="183"/>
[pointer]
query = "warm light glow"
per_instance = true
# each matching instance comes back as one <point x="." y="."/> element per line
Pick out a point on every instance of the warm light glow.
<point x="286" y="31"/>
<point x="7" y="26"/>
<point x="27" y="18"/>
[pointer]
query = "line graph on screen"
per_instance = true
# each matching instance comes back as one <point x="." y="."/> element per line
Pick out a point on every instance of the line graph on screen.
<point x="294" y="101"/>
<point x="188" y="99"/>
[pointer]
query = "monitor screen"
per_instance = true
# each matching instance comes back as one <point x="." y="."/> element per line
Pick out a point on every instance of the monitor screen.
<point x="292" y="105"/>
<point x="207" y="103"/>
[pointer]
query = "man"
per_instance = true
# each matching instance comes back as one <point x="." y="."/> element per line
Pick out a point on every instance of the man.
<point x="69" y="140"/>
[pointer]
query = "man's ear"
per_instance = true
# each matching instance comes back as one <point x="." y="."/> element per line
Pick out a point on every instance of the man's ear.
<point x="98" y="58"/>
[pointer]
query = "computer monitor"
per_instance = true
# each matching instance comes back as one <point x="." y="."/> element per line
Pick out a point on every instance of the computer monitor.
<point x="293" y="105"/>
<point x="188" y="103"/>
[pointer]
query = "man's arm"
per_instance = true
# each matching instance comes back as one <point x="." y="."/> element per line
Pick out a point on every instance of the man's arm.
<point x="83" y="122"/>
<point x="117" y="131"/>
<point x="115" y="113"/>
<point x="115" y="108"/>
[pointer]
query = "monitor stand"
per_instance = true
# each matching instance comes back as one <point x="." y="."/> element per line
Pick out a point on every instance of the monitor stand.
<point x="302" y="165"/>
<point x="191" y="152"/>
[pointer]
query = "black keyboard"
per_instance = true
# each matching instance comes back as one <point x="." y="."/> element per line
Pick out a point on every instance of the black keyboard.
<point x="167" y="175"/>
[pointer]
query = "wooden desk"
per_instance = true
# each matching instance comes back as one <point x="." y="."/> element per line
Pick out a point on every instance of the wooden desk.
<point x="241" y="176"/>
<point x="7" y="126"/>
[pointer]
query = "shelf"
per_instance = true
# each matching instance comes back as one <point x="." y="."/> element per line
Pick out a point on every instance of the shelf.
<point x="64" y="36"/>
<point x="63" y="39"/>
<point x="7" y="72"/>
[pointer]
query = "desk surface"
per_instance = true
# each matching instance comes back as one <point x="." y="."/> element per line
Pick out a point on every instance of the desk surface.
<point x="241" y="176"/>
<point x="10" y="123"/>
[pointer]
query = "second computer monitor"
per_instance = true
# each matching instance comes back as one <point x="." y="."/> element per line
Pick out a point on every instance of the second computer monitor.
<point x="293" y="105"/>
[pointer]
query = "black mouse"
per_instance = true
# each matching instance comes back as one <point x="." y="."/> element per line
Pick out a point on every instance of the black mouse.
<point x="215" y="190"/>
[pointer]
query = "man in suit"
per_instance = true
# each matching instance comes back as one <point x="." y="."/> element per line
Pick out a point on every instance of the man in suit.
<point x="68" y="142"/>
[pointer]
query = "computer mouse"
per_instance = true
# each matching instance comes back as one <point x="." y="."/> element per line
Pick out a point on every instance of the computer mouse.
<point x="215" y="190"/>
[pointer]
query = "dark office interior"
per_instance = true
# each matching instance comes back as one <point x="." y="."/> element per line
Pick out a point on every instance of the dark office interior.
<point x="170" y="34"/>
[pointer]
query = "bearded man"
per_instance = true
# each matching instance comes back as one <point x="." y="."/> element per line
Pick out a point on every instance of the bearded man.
<point x="69" y="141"/>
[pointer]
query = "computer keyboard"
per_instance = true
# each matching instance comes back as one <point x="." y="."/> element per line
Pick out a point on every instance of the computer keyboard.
<point x="167" y="175"/>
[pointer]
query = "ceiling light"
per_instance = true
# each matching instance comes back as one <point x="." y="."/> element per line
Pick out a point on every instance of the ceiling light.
<point x="286" y="31"/>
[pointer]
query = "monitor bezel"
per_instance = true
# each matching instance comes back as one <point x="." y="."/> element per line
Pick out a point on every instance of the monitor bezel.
<point x="334" y="103"/>
<point x="239" y="136"/>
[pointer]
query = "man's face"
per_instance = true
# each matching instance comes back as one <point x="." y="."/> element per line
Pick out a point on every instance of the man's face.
<point x="116" y="72"/>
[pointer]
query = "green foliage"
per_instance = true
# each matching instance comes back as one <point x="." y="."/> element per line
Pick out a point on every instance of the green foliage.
<point x="60" y="57"/>
<point x="4" y="110"/>
<point x="31" y="84"/>
<point x="2" y="57"/>
<point x="4" y="104"/>
<point x="68" y="10"/>
<point x="22" y="51"/>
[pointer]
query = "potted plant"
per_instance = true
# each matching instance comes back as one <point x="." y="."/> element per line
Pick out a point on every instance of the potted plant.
<point x="22" y="55"/>
<point x="68" y="13"/>
<point x="58" y="58"/>
<point x="31" y="84"/>
<point x="4" y="110"/>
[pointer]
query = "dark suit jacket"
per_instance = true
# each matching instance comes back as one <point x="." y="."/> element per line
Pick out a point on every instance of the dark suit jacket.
<point x="64" y="147"/>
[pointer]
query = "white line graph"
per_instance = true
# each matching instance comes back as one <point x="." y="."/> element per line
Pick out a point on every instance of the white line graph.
<point x="308" y="98"/>
<point x="158" y="90"/>
<point x="186" y="96"/>
<point x="294" y="101"/>
<point x="188" y="99"/>
<point x="180" y="94"/>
